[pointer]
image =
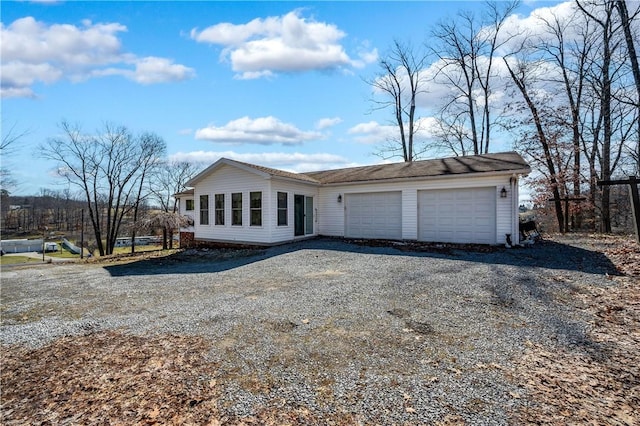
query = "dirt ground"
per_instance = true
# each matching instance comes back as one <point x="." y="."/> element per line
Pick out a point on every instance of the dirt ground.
<point x="600" y="385"/>
<point x="114" y="378"/>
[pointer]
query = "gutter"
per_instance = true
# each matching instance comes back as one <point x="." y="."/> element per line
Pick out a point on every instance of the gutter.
<point x="438" y="177"/>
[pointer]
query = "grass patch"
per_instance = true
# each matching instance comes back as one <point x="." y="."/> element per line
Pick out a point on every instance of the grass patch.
<point x="16" y="260"/>
<point x="64" y="254"/>
<point x="116" y="251"/>
<point x="127" y="250"/>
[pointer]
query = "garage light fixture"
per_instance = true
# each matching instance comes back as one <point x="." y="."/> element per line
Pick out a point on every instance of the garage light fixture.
<point x="503" y="192"/>
<point x="339" y="198"/>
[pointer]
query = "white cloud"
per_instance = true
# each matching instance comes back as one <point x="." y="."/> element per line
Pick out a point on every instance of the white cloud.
<point x="253" y="75"/>
<point x="325" y="123"/>
<point x="16" y="75"/>
<point x="262" y="131"/>
<point x="437" y="77"/>
<point x="33" y="52"/>
<point x="288" y="43"/>
<point x="150" y="70"/>
<point x="369" y="57"/>
<point x="373" y="132"/>
<point x="292" y="162"/>
<point x="16" y="92"/>
<point x="518" y="29"/>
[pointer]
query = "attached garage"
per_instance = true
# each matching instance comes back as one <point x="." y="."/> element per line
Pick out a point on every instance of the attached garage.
<point x="468" y="199"/>
<point x="374" y="215"/>
<point x="465" y="215"/>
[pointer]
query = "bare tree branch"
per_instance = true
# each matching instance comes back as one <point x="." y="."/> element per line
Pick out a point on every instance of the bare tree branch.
<point x="399" y="82"/>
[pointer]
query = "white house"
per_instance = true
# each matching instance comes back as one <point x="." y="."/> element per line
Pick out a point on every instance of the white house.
<point x="471" y="199"/>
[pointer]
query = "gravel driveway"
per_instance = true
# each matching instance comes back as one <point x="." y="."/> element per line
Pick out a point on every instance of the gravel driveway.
<point x="344" y="331"/>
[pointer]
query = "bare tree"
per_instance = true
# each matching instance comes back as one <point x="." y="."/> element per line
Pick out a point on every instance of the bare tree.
<point x="451" y="135"/>
<point x="574" y="80"/>
<point x="167" y="181"/>
<point x="166" y="221"/>
<point x="570" y="55"/>
<point x="625" y="21"/>
<point x="152" y="151"/>
<point x="8" y="147"/>
<point x="399" y="82"/>
<point x="78" y="159"/>
<point x="106" y="169"/>
<point x="465" y="47"/>
<point x="604" y="72"/>
<point x="522" y="74"/>
<point x="9" y="139"/>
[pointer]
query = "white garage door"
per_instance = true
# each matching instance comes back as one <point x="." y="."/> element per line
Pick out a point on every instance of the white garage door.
<point x="457" y="215"/>
<point x="374" y="215"/>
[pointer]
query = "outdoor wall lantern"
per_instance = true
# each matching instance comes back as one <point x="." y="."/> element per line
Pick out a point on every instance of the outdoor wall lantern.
<point x="503" y="192"/>
<point x="339" y="198"/>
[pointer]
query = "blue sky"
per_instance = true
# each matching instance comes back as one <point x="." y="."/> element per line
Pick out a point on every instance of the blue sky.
<point x="274" y="83"/>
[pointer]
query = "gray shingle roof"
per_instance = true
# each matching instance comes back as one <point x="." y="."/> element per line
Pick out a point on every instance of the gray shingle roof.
<point x="505" y="162"/>
<point x="279" y="173"/>
<point x="487" y="163"/>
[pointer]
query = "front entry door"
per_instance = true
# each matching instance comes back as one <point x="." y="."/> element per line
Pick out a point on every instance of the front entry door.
<point x="302" y="215"/>
<point x="308" y="215"/>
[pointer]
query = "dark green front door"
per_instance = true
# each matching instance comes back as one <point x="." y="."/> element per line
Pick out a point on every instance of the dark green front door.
<point x="298" y="214"/>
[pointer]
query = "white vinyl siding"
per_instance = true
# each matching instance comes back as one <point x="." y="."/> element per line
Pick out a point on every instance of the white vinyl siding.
<point x="505" y="208"/>
<point x="286" y="232"/>
<point x="228" y="180"/>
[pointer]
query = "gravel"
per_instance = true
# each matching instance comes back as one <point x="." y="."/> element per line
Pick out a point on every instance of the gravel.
<point x="377" y="334"/>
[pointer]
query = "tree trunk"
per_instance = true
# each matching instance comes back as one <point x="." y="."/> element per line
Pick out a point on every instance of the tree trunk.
<point x="545" y="146"/>
<point x="606" y="137"/>
<point x="164" y="238"/>
<point x="633" y="57"/>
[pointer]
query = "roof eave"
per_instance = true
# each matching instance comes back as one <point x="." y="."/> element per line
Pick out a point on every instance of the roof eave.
<point x="183" y="194"/>
<point x="289" y="179"/>
<point x="523" y="171"/>
<point x="224" y="161"/>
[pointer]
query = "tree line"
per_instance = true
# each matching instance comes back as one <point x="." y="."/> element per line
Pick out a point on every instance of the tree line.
<point x="113" y="177"/>
<point x="565" y="89"/>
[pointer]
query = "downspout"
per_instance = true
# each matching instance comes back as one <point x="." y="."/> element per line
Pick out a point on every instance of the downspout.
<point x="515" y="221"/>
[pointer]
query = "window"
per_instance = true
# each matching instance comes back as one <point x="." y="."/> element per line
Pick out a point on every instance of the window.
<point x="204" y="210"/>
<point x="219" y="206"/>
<point x="236" y="208"/>
<point x="282" y="209"/>
<point x="255" y="205"/>
<point x="190" y="204"/>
